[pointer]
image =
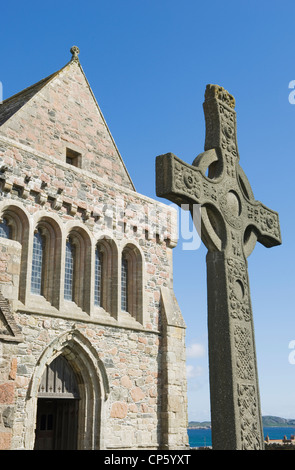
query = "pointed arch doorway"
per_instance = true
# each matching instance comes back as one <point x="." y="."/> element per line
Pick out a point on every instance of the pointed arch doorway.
<point x="93" y="389"/>
<point x="57" y="407"/>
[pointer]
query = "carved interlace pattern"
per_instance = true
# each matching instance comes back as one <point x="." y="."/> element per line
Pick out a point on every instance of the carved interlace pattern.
<point x="228" y="139"/>
<point x="192" y="183"/>
<point x="188" y="181"/>
<point x="248" y="408"/>
<point x="235" y="243"/>
<point x="240" y="311"/>
<point x="239" y="301"/>
<point x="244" y="353"/>
<point x="267" y="221"/>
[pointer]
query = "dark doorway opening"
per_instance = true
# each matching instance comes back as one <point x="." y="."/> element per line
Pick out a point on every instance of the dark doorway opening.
<point x="57" y="408"/>
<point x="56" y="427"/>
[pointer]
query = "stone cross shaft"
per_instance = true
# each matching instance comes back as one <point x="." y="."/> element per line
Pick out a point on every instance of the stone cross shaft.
<point x="231" y="223"/>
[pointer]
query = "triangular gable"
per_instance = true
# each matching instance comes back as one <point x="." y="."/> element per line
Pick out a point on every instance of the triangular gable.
<point x="60" y="112"/>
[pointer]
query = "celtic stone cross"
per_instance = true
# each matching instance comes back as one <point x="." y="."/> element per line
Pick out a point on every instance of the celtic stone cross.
<point x="231" y="223"/>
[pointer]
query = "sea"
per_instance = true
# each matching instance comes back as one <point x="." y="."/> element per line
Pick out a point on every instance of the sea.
<point x="202" y="437"/>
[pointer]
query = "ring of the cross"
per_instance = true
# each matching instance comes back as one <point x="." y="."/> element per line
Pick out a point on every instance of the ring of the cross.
<point x="230" y="210"/>
<point x="230" y="204"/>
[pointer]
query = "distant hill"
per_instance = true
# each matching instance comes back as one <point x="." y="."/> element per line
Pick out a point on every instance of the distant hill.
<point x="269" y="421"/>
<point x="276" y="421"/>
<point x="198" y="424"/>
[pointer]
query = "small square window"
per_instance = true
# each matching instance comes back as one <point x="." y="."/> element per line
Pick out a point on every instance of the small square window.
<point x="73" y="158"/>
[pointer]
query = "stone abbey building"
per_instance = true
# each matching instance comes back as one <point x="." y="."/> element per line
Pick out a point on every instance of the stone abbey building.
<point x="92" y="350"/>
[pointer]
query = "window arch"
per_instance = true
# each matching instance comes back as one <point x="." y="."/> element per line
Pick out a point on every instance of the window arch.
<point x="46" y="260"/>
<point x="106" y="276"/>
<point x="15" y="226"/>
<point x="132" y="282"/>
<point x="15" y="223"/>
<point x="77" y="274"/>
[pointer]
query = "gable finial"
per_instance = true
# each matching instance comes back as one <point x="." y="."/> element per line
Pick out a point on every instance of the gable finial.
<point x="75" y="52"/>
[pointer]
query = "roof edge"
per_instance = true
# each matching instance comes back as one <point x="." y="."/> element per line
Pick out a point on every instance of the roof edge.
<point x="43" y="82"/>
<point x="105" y="123"/>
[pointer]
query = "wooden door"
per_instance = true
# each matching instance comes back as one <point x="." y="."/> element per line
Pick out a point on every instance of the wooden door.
<point x="56" y="424"/>
<point x="57" y="407"/>
<point x="45" y="425"/>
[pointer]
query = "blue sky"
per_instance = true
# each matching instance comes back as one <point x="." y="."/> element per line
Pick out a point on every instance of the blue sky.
<point x="148" y="63"/>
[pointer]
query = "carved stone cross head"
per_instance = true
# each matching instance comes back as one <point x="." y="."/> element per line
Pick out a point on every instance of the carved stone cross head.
<point x="75" y="51"/>
<point x="232" y="221"/>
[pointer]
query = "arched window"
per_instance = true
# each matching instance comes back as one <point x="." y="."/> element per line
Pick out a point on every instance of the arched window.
<point x="77" y="277"/>
<point x="14" y="225"/>
<point x="106" y="276"/>
<point x="124" y="284"/>
<point x="132" y="282"/>
<point x="69" y="270"/>
<point x="46" y="261"/>
<point x="5" y="229"/>
<point x="98" y="277"/>
<point x="37" y="263"/>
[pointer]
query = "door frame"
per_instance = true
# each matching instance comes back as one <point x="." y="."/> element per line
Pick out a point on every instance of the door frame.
<point x="93" y="389"/>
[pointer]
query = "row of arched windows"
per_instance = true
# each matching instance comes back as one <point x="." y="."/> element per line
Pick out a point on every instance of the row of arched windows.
<point x="86" y="277"/>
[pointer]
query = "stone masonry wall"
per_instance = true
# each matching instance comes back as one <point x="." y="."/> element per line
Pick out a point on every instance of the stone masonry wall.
<point x="131" y="362"/>
<point x="8" y="384"/>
